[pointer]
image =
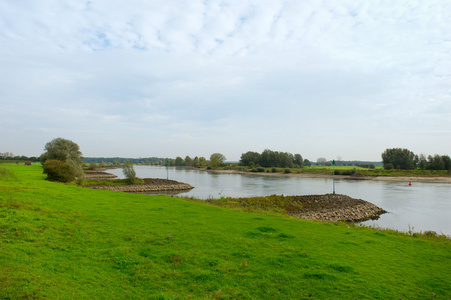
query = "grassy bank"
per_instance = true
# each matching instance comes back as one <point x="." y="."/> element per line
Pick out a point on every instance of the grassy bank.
<point x="68" y="242"/>
<point x="344" y="170"/>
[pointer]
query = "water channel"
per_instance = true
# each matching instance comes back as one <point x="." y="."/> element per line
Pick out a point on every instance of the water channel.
<point x="420" y="207"/>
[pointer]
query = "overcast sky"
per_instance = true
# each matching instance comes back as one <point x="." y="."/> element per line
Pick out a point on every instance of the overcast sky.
<point x="141" y="78"/>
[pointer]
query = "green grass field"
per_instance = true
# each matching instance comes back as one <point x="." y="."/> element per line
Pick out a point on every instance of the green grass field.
<point x="67" y="242"/>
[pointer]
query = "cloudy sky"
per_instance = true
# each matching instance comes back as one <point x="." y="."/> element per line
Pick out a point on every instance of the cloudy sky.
<point x="169" y="78"/>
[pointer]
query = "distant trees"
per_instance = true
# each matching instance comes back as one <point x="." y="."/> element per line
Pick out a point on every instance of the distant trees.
<point x="67" y="152"/>
<point x="321" y="161"/>
<point x="269" y="158"/>
<point x="398" y="158"/>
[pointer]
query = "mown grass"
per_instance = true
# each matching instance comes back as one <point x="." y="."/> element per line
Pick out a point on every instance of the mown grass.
<point x="67" y="242"/>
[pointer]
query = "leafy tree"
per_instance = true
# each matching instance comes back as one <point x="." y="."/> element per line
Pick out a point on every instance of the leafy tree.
<point x="298" y="160"/>
<point x="196" y="162"/>
<point x="250" y="157"/>
<point x="446" y="162"/>
<point x="400" y="158"/>
<point x="202" y="162"/>
<point x="65" y="151"/>
<point x="422" y="162"/>
<point x="220" y="157"/>
<point x="321" y="161"/>
<point x="129" y="172"/>
<point x="307" y="163"/>
<point x="188" y="161"/>
<point x="178" y="161"/>
<point x="214" y="162"/>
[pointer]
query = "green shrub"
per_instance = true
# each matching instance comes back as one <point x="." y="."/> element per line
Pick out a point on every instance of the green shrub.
<point x="337" y="172"/>
<point x="274" y="170"/>
<point x="129" y="172"/>
<point x="287" y="171"/>
<point x="58" y="170"/>
<point x="260" y="169"/>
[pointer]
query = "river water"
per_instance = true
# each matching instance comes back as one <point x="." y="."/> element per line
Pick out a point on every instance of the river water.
<point x="420" y="207"/>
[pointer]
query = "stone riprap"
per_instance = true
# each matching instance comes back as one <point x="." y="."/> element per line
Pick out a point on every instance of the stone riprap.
<point x="92" y="174"/>
<point x="149" y="185"/>
<point x="336" y="207"/>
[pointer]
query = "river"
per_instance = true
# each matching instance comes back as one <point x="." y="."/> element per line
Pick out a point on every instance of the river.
<point x="418" y="208"/>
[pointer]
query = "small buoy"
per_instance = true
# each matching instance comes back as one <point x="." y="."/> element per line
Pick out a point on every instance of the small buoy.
<point x="410" y="183"/>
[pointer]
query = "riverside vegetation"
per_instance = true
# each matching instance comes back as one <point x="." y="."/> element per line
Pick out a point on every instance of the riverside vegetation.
<point x="68" y="242"/>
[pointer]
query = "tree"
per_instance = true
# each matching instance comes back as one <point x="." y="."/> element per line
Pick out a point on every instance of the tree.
<point x="178" y="161"/>
<point x="400" y="158"/>
<point x="202" y="162"/>
<point x="321" y="161"/>
<point x="188" y="161"/>
<point x="250" y="157"/>
<point x="216" y="160"/>
<point x="129" y="172"/>
<point x="298" y="160"/>
<point x="65" y="151"/>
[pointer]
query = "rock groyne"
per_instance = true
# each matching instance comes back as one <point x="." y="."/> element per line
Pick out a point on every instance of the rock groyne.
<point x="92" y="174"/>
<point x="336" y="207"/>
<point x="149" y="185"/>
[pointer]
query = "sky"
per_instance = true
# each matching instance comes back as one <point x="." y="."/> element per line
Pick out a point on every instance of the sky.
<point x="333" y="79"/>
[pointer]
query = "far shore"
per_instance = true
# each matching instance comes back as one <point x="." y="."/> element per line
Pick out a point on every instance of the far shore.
<point x="310" y="175"/>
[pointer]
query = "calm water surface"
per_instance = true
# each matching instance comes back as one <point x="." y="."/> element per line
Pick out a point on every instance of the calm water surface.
<point x="420" y="207"/>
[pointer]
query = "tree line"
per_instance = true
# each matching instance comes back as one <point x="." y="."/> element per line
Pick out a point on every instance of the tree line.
<point x="404" y="159"/>
<point x="269" y="158"/>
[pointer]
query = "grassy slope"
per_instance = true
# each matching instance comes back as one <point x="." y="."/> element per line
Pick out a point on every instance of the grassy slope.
<point x="61" y="241"/>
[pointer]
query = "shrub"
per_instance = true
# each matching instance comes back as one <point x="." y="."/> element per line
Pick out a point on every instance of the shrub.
<point x="287" y="171"/>
<point x="58" y="170"/>
<point x="129" y="172"/>
<point x="389" y="166"/>
<point x="260" y="169"/>
<point x="274" y="170"/>
<point x="337" y="172"/>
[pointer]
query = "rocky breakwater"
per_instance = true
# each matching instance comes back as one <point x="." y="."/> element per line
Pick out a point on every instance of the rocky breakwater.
<point x="92" y="174"/>
<point x="336" y="207"/>
<point x="149" y="185"/>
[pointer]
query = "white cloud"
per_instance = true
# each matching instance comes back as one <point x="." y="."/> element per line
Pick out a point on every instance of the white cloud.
<point x="234" y="75"/>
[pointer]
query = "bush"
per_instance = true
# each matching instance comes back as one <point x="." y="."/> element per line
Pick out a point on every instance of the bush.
<point x="337" y="172"/>
<point x="287" y="171"/>
<point x="129" y="172"/>
<point x="274" y="170"/>
<point x="58" y="170"/>
<point x="260" y="169"/>
<point x="389" y="166"/>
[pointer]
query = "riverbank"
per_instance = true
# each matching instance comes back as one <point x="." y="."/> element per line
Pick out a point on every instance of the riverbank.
<point x="347" y="177"/>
